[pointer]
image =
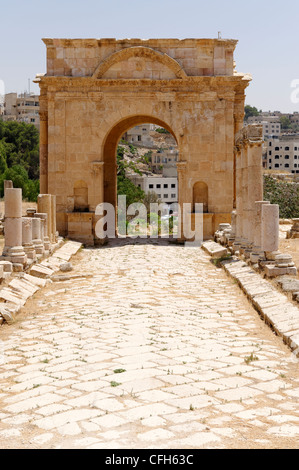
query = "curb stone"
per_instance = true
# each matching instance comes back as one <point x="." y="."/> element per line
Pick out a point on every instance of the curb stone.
<point x="274" y="307"/>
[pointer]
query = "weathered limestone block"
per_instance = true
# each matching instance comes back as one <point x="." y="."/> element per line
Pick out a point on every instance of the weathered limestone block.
<point x="7" y="266"/>
<point x="214" y="250"/>
<point x="6" y="314"/>
<point x="65" y="267"/>
<point x="294" y="232"/>
<point x="41" y="271"/>
<point x="274" y="271"/>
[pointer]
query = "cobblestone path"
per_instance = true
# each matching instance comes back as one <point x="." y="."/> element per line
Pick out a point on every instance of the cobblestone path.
<point x="145" y="346"/>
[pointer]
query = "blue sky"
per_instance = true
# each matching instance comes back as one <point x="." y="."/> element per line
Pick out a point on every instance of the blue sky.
<point x="267" y="31"/>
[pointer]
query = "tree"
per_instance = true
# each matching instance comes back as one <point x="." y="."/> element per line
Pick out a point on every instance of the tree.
<point x="251" y="111"/>
<point x="285" y="122"/>
<point x="19" y="157"/>
<point x="125" y="187"/>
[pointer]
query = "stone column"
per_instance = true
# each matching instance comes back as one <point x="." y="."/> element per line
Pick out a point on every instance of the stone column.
<point x="43" y="145"/>
<point x="96" y="192"/>
<point x="239" y="208"/>
<point x="257" y="252"/>
<point x="233" y="224"/>
<point x="27" y="238"/>
<point x="270" y="228"/>
<point x="53" y="218"/>
<point x="7" y="184"/>
<point x="44" y="229"/>
<point x="181" y="171"/>
<point x="255" y="185"/>
<point x="239" y="202"/>
<point x="13" y="250"/>
<point x="96" y="195"/>
<point x="30" y="212"/>
<point x="245" y="197"/>
<point x="36" y="236"/>
<point x="44" y="206"/>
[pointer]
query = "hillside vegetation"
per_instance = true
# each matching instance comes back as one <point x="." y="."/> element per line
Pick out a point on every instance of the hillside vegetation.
<point x="283" y="193"/>
<point x="19" y="157"/>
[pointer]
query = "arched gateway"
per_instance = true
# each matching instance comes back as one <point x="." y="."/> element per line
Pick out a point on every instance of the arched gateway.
<point x="96" y="89"/>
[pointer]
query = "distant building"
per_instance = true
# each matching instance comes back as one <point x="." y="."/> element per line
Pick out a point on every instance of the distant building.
<point x="165" y="161"/>
<point x="165" y="188"/>
<point x="271" y="124"/>
<point x="21" y="108"/>
<point x="140" y="135"/>
<point x="283" y="153"/>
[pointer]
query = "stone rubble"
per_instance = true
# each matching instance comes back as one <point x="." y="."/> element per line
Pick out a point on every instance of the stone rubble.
<point x="29" y="243"/>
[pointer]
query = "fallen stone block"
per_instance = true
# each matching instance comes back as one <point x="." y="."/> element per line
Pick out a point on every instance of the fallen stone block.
<point x="24" y="288"/>
<point x="66" y="267"/>
<point x="7" y="315"/>
<point x="41" y="271"/>
<point x="7" y="266"/>
<point x="40" y="282"/>
<point x="273" y="271"/>
<point x="9" y="296"/>
<point x="288" y="284"/>
<point x="17" y="267"/>
<point x="60" y="277"/>
<point x="214" y="250"/>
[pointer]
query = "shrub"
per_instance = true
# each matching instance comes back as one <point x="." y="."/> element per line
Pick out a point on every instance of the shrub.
<point x="285" y="194"/>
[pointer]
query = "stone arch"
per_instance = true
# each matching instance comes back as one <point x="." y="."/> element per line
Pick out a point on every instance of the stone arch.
<point x="80" y="196"/>
<point x="201" y="195"/>
<point x="109" y="150"/>
<point x="139" y="51"/>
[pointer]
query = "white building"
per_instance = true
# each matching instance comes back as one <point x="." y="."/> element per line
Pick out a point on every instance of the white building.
<point x="271" y="124"/>
<point x="283" y="153"/>
<point x="21" y="108"/>
<point x="165" y="188"/>
<point x="140" y="135"/>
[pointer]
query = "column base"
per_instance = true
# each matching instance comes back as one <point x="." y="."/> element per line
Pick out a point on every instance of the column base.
<point x="14" y="254"/>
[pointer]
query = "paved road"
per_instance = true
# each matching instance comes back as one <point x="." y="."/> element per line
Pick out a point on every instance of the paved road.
<point x="146" y="346"/>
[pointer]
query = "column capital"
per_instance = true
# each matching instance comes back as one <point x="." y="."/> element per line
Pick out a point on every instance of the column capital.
<point x="181" y="166"/>
<point x="96" y="167"/>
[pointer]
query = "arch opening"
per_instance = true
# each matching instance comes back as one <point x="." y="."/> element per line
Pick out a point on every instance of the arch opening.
<point x="110" y="150"/>
<point x="141" y="154"/>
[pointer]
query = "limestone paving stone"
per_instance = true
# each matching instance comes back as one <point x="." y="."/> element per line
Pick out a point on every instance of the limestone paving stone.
<point x="171" y="370"/>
